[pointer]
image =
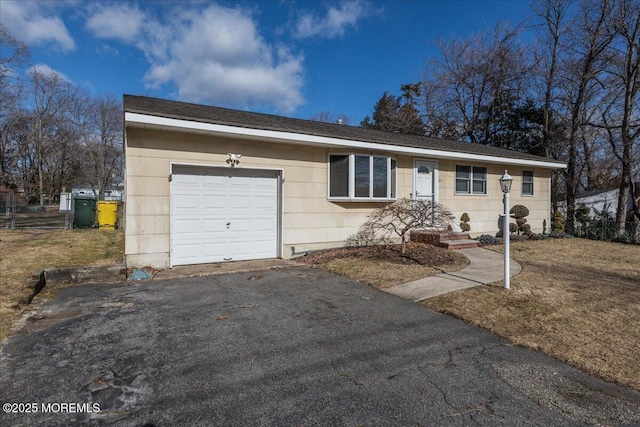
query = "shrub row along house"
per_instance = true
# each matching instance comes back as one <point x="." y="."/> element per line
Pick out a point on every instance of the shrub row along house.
<point x="207" y="184"/>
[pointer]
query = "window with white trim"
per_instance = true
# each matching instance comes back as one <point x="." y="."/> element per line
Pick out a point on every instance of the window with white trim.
<point x="361" y="177"/>
<point x="527" y="183"/>
<point x="471" y="180"/>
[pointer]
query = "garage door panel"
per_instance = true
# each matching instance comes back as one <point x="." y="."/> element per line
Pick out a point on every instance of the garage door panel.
<point x="214" y="226"/>
<point x="241" y="203"/>
<point x="209" y="181"/>
<point x="213" y="203"/>
<point x="243" y="184"/>
<point x="264" y="251"/>
<point x="264" y="248"/>
<point x="241" y="226"/>
<point x="242" y="249"/>
<point x="186" y="226"/>
<point x="203" y="203"/>
<point x="214" y="251"/>
<point x="186" y="180"/>
<point x="265" y="203"/>
<point x="262" y="225"/>
<point x="186" y="201"/>
<point x="265" y="184"/>
<point x="186" y="253"/>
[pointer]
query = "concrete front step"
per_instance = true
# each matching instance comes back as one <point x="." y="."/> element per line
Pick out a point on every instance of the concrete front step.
<point x="459" y="244"/>
<point x="453" y="236"/>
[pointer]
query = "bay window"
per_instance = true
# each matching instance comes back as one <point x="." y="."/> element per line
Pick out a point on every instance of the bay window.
<point x="361" y="177"/>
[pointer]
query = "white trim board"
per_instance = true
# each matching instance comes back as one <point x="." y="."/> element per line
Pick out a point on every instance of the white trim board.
<point x="163" y="123"/>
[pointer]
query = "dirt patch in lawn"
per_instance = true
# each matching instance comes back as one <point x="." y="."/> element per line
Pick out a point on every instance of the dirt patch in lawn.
<point x="577" y="300"/>
<point x="25" y="252"/>
<point x="385" y="266"/>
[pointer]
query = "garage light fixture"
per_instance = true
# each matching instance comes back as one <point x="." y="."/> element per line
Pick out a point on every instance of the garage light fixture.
<point x="233" y="159"/>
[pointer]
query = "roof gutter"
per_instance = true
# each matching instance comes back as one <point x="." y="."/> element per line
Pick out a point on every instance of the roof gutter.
<point x="146" y="121"/>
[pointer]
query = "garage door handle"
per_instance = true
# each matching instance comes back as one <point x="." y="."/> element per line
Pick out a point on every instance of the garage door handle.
<point x="228" y="224"/>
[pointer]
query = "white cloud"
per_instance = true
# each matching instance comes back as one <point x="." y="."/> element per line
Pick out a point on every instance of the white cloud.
<point x="45" y="70"/>
<point x="118" y="21"/>
<point x="214" y="55"/>
<point x="105" y="49"/>
<point x="27" y="22"/>
<point x="334" y="23"/>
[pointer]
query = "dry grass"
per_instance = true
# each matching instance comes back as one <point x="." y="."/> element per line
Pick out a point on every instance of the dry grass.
<point x="383" y="267"/>
<point x="379" y="273"/>
<point x="576" y="300"/>
<point x="23" y="253"/>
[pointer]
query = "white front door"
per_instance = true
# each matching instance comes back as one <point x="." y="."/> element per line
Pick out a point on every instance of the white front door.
<point x="425" y="180"/>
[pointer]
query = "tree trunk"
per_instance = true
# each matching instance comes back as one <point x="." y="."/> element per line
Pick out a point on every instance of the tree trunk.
<point x="623" y="199"/>
<point x="39" y="151"/>
<point x="571" y="184"/>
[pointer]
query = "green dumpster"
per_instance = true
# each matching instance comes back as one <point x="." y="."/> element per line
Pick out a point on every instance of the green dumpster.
<point x="84" y="213"/>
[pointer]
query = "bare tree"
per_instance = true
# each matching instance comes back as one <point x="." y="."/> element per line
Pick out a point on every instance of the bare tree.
<point x="473" y="77"/>
<point x="553" y="16"/>
<point x="52" y="134"/>
<point x="397" y="219"/>
<point x="626" y="71"/>
<point x="583" y="65"/>
<point x="99" y="126"/>
<point x="52" y="98"/>
<point x="15" y="55"/>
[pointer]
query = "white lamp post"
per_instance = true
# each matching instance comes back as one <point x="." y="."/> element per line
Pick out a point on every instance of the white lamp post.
<point x="505" y="185"/>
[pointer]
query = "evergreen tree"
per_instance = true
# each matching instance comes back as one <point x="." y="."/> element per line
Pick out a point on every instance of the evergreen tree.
<point x="397" y="113"/>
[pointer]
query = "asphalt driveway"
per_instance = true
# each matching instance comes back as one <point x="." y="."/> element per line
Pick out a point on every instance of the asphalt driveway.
<point x="291" y="346"/>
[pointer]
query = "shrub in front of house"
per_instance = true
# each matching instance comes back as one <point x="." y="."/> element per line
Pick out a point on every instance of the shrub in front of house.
<point x="558" y="222"/>
<point x="583" y="214"/>
<point x="537" y="237"/>
<point x="518" y="237"/>
<point x="392" y="223"/>
<point x="487" y="239"/>
<point x="520" y="212"/>
<point x="464" y="222"/>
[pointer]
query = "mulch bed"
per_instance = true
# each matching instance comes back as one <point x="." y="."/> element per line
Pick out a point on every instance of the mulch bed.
<point x="416" y="253"/>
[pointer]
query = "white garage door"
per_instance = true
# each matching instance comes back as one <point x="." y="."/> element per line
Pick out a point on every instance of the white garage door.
<point x="223" y="214"/>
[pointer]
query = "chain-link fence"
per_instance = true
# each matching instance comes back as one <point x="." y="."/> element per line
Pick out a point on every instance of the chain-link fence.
<point x="15" y="214"/>
<point x="602" y="229"/>
<point x="79" y="213"/>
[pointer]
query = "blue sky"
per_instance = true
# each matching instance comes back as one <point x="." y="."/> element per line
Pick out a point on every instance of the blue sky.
<point x="281" y="57"/>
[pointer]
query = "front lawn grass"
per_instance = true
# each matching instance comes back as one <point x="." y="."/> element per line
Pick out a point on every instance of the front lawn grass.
<point x="25" y="252"/>
<point x="576" y="300"/>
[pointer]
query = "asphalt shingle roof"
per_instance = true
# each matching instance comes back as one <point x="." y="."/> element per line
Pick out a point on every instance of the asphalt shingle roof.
<point x="250" y="120"/>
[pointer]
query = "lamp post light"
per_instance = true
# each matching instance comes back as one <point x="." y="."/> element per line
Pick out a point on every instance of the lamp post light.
<point x="505" y="186"/>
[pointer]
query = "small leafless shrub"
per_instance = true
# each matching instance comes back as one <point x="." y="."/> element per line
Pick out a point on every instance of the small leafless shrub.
<point x="393" y="222"/>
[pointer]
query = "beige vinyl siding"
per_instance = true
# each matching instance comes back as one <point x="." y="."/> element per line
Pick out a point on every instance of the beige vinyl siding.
<point x="484" y="210"/>
<point x="309" y="220"/>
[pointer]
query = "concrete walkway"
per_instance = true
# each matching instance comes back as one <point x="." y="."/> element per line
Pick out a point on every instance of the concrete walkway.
<point x="484" y="267"/>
